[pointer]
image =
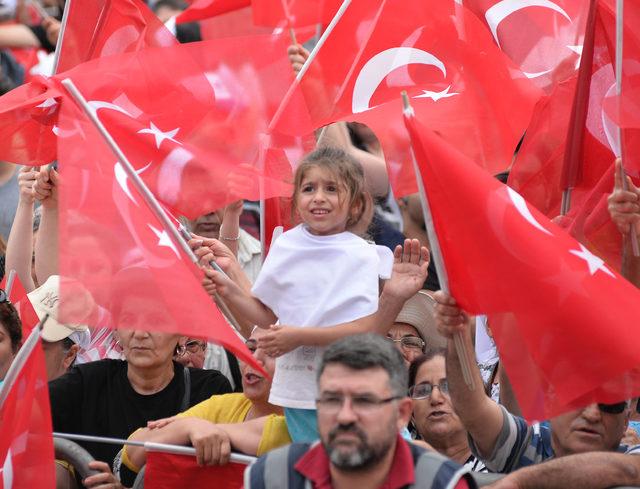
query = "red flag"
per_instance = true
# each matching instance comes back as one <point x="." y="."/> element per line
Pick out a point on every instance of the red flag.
<point x="505" y="259"/>
<point x="204" y="9"/>
<point x="544" y="39"/>
<point x="294" y="13"/>
<point x="98" y="28"/>
<point x="462" y="85"/>
<point x="26" y="443"/>
<point x="118" y="251"/>
<point x="18" y="296"/>
<point x="166" y="471"/>
<point x="194" y="148"/>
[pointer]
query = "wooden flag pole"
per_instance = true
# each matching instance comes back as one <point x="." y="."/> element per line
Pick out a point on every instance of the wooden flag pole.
<point x="619" y="61"/>
<point x="147" y="195"/>
<point x="436" y="255"/>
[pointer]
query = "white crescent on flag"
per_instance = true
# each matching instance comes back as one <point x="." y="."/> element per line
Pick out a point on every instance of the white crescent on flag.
<point x="378" y="67"/>
<point x="96" y="105"/>
<point x="521" y="206"/>
<point x="123" y="179"/>
<point x="501" y="10"/>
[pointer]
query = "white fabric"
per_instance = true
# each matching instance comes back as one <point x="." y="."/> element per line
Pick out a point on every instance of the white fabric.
<point x="486" y="351"/>
<point x="310" y="280"/>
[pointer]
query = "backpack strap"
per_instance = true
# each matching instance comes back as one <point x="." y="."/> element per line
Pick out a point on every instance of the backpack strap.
<point x="275" y="470"/>
<point x="434" y="471"/>
<point x="186" y="398"/>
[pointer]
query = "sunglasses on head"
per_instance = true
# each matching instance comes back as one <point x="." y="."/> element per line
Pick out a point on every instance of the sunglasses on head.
<point x="616" y="408"/>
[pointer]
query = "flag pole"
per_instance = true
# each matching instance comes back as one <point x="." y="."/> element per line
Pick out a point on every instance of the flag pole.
<point x="21" y="358"/>
<point x="436" y="255"/>
<point x="619" y="58"/>
<point x="9" y="286"/>
<point x="63" y="26"/>
<point x="285" y="100"/>
<point x="148" y="196"/>
<point x="149" y="446"/>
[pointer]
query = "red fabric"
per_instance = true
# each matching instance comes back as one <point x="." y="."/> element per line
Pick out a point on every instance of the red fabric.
<point x="114" y="248"/>
<point x="106" y="27"/>
<point x="294" y="13"/>
<point x="167" y="471"/>
<point x="26" y="444"/>
<point x="550" y="304"/>
<point x="194" y="155"/>
<point x="543" y="40"/>
<point x="23" y="305"/>
<point x="204" y="9"/>
<point x="469" y="91"/>
<point x="314" y="465"/>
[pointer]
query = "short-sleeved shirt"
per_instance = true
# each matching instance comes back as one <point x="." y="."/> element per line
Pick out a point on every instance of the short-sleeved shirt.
<point x="520" y="445"/>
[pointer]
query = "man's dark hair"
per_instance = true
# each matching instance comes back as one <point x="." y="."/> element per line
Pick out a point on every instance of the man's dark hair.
<point x="364" y="351"/>
<point x="172" y="4"/>
<point x="11" y="323"/>
<point x="428" y="355"/>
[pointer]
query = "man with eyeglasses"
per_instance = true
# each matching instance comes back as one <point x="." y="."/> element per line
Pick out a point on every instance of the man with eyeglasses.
<point x="362" y="405"/>
<point x="192" y="353"/>
<point x="506" y="442"/>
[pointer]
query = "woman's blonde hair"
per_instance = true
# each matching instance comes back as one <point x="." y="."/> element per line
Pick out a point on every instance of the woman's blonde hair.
<point x="349" y="176"/>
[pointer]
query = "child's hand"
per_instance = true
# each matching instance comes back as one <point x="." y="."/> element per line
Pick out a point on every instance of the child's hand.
<point x="279" y="340"/>
<point x="215" y="282"/>
<point x="45" y="188"/>
<point x="26" y="181"/>
<point x="410" y="264"/>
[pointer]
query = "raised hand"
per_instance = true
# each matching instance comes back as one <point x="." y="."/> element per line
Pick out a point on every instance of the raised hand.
<point x="410" y="264"/>
<point x="624" y="205"/>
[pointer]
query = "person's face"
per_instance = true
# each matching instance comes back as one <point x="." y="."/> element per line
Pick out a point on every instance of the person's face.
<point x="355" y="431"/>
<point x="255" y="386"/>
<point x="6" y="351"/>
<point x="434" y="416"/>
<point x="193" y="353"/>
<point x="208" y="225"/>
<point x="322" y="203"/>
<point x="414" y="209"/>
<point x="94" y="269"/>
<point x="402" y="330"/>
<point x="588" y="429"/>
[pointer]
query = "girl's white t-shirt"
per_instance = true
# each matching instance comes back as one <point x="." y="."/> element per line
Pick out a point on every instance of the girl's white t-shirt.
<point x="310" y="280"/>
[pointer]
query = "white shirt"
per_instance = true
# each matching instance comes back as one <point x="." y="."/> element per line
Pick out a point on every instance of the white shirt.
<point x="310" y="280"/>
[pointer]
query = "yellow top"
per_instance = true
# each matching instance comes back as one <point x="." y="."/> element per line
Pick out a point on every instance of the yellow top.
<point x="232" y="408"/>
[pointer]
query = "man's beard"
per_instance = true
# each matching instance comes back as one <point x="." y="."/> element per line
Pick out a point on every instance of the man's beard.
<point x="362" y="456"/>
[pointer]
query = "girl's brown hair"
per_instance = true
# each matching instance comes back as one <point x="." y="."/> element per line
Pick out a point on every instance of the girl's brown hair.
<point x="349" y="176"/>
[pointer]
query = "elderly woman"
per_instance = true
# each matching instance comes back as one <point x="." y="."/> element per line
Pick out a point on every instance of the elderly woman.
<point x="10" y="334"/>
<point x="113" y="398"/>
<point x="260" y="425"/>
<point x="433" y="416"/>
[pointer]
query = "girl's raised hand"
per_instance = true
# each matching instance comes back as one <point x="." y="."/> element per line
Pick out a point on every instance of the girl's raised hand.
<point x="410" y="264"/>
<point x="279" y="340"/>
<point x="26" y="181"/>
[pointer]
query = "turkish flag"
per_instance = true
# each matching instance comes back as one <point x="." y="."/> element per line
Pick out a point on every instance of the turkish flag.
<point x="544" y="39"/>
<point x="167" y="471"/>
<point x="294" y="13"/>
<point x="204" y="9"/>
<point x="115" y="249"/>
<point x="190" y="120"/>
<point x="99" y="28"/>
<point x="461" y="84"/>
<point x="18" y="296"/>
<point x="26" y="443"/>
<point x="536" y="284"/>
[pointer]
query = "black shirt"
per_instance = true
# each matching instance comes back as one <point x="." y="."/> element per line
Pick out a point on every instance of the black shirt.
<point x="96" y="398"/>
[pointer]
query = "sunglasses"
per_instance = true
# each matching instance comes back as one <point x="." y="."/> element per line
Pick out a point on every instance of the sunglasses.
<point x="616" y="408"/>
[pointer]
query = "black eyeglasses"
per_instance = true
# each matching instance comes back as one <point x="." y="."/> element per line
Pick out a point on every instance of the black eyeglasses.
<point x="425" y="389"/>
<point x="332" y="403"/>
<point x="616" y="408"/>
<point x="409" y="342"/>
<point x="252" y="345"/>
<point x="194" y="346"/>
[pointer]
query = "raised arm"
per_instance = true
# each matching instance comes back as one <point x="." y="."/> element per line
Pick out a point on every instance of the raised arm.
<point x="46" y="191"/>
<point x="20" y="244"/>
<point x="408" y="275"/>
<point x="480" y="415"/>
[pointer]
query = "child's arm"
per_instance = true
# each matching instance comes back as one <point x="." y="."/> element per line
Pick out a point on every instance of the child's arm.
<point x="409" y="273"/>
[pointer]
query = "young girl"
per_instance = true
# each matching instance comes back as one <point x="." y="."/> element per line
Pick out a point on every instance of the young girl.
<point x="317" y="274"/>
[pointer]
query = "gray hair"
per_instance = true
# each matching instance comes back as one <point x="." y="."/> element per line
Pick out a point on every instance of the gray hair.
<point x="363" y="351"/>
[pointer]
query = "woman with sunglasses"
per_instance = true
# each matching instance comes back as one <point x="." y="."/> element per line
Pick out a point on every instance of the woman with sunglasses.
<point x="434" y="418"/>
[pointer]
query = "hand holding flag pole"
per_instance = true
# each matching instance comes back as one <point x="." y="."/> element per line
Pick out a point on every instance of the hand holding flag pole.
<point x="179" y="237"/>
<point x="436" y="254"/>
<point x="619" y="57"/>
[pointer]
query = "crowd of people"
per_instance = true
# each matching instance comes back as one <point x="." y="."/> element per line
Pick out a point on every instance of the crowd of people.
<point x="361" y="383"/>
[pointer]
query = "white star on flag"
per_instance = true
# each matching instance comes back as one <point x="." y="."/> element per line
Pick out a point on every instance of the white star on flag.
<point x="159" y="135"/>
<point x="7" y="471"/>
<point x="435" y="96"/>
<point x="578" y="50"/>
<point x="164" y="239"/>
<point x="595" y="263"/>
<point x="50" y="102"/>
